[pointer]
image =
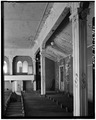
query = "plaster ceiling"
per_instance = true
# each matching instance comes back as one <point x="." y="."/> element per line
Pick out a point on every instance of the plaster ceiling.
<point x="62" y="39"/>
<point x="62" y="42"/>
<point x="23" y="22"/>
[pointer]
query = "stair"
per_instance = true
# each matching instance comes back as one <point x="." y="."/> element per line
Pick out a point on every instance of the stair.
<point x="14" y="107"/>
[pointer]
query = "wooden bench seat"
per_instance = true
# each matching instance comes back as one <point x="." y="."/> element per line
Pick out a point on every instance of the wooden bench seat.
<point x="36" y="105"/>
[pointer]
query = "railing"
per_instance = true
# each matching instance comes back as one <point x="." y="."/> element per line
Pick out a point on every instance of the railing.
<point x="7" y="101"/>
<point x="18" y="77"/>
<point x="22" y="102"/>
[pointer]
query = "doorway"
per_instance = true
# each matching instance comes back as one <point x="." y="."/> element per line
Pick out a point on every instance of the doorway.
<point x="61" y="78"/>
<point x="38" y="72"/>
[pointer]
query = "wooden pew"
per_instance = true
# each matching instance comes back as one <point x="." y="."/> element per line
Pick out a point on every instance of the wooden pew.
<point x="36" y="105"/>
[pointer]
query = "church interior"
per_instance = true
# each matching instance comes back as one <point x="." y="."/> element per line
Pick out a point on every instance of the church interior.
<point x="48" y="59"/>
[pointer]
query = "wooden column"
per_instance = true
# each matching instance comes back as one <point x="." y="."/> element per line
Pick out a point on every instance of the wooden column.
<point x="10" y="71"/>
<point x="79" y="61"/>
<point x="43" y="82"/>
<point x="10" y="66"/>
<point x="15" y="85"/>
<point x="34" y="71"/>
<point x="83" y="64"/>
<point x="21" y="85"/>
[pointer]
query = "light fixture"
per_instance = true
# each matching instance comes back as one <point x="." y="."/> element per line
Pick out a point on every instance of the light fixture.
<point x="52" y="43"/>
<point x="37" y="59"/>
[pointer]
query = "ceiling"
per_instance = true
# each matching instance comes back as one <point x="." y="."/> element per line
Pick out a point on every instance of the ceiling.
<point x="23" y="22"/>
<point x="62" y="39"/>
<point x="60" y="43"/>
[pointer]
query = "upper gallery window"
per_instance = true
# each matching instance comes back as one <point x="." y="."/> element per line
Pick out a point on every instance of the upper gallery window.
<point x="25" y="67"/>
<point x="5" y="67"/>
<point x="19" y="67"/>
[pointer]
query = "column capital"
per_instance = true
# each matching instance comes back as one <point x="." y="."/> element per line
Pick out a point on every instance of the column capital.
<point x="34" y="59"/>
<point x="83" y="81"/>
<point x="84" y="13"/>
<point x="11" y="59"/>
<point x="42" y="52"/>
<point x="76" y="9"/>
<point x="10" y="62"/>
<point x="74" y="16"/>
<point x="58" y="59"/>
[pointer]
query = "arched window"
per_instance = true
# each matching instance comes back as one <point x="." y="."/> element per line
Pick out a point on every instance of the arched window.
<point x="19" y="67"/>
<point x="5" y="68"/>
<point x="25" y="67"/>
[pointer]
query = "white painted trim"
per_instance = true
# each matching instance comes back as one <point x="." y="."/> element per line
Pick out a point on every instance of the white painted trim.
<point x="43" y="82"/>
<point x="15" y="86"/>
<point x="18" y="77"/>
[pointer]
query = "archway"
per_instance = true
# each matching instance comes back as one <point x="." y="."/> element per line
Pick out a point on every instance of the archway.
<point x="27" y="64"/>
<point x="6" y="66"/>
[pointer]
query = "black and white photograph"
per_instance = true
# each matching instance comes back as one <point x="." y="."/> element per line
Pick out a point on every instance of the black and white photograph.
<point x="47" y="59"/>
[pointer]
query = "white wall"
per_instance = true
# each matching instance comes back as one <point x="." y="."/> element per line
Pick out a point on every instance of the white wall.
<point x="17" y="52"/>
<point x="7" y="85"/>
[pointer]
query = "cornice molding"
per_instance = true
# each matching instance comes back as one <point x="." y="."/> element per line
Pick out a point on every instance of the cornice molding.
<point x="52" y="22"/>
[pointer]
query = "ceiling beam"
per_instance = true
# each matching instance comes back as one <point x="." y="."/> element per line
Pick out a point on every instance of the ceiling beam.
<point x="56" y="52"/>
<point x="57" y="14"/>
<point x="50" y="56"/>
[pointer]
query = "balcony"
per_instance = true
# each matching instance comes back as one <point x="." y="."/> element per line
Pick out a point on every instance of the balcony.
<point x="18" y="77"/>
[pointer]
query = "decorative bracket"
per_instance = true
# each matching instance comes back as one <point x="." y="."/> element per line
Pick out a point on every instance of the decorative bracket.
<point x="76" y="80"/>
<point x="83" y="84"/>
<point x="83" y="14"/>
